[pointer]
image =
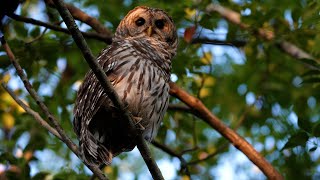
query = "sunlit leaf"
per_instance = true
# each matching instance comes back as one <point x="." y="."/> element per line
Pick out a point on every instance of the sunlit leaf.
<point x="206" y="58"/>
<point x="5" y="79"/>
<point x="190" y="13"/>
<point x="7" y="120"/>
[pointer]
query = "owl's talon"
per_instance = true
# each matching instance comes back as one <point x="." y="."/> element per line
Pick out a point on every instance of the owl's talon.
<point x="137" y="121"/>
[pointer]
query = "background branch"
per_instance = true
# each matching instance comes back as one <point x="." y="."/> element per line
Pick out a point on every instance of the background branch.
<point x="235" y="18"/>
<point x="98" y="36"/>
<point x="203" y="40"/>
<point x="82" y="16"/>
<point x="184" y="164"/>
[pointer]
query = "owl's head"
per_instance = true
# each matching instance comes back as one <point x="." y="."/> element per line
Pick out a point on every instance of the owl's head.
<point x="148" y="22"/>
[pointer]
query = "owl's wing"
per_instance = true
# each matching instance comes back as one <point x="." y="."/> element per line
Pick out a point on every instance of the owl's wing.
<point x="91" y="95"/>
<point x="91" y="99"/>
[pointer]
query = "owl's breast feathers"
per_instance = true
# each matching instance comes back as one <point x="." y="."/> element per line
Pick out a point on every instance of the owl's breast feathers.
<point x="139" y="71"/>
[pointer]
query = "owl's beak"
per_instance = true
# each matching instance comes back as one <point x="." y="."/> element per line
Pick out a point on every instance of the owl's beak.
<point x="149" y="31"/>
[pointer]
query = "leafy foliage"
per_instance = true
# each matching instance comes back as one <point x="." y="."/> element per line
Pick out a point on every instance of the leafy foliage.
<point x="266" y="95"/>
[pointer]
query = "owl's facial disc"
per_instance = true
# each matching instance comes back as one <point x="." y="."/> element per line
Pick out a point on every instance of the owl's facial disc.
<point x="149" y="23"/>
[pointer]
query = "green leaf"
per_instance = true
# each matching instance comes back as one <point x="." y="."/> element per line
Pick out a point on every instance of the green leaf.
<point x="305" y="125"/>
<point x="316" y="130"/>
<point x="311" y="73"/>
<point x="298" y="139"/>
<point x="311" y="80"/>
<point x="40" y="176"/>
<point x="310" y="62"/>
<point x="35" y="32"/>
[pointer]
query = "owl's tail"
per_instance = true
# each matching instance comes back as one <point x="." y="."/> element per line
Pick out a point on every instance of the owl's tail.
<point x="93" y="151"/>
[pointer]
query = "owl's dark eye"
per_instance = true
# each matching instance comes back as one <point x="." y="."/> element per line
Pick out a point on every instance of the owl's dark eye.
<point x="159" y="23"/>
<point x="140" y="22"/>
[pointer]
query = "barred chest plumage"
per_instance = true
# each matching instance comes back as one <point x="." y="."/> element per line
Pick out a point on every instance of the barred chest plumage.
<point x="141" y="81"/>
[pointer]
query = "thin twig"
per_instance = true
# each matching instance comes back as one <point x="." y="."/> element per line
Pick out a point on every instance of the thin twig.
<point x="108" y="38"/>
<point x="204" y="40"/>
<point x="220" y="149"/>
<point x="33" y="113"/>
<point x="235" y="18"/>
<point x="78" y="14"/>
<point x="184" y="164"/>
<point x="105" y="83"/>
<point x="45" y="109"/>
<point x="36" y="97"/>
<point x="98" y="36"/>
<point x="224" y="145"/>
<point x="38" y="37"/>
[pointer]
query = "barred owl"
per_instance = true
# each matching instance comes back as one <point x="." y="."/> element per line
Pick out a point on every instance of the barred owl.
<point x="138" y="65"/>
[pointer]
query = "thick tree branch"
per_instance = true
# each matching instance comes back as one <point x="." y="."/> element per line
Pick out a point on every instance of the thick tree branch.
<point x="45" y="109"/>
<point x="101" y="76"/>
<point x="239" y="142"/>
<point x="235" y="18"/>
<point x="98" y="36"/>
<point x="179" y="107"/>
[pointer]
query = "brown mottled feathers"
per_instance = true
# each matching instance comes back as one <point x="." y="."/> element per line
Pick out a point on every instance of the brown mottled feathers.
<point x="138" y="64"/>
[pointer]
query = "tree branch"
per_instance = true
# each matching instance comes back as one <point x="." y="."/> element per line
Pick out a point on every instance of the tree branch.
<point x="105" y="83"/>
<point x="98" y="36"/>
<point x="184" y="164"/>
<point x="235" y="18"/>
<point x="179" y="107"/>
<point x="237" y="141"/>
<point x="33" y="113"/>
<point x="218" y="42"/>
<point x="82" y="16"/>
<point x="108" y="38"/>
<point x="220" y="149"/>
<point x="224" y="145"/>
<point x="45" y="109"/>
